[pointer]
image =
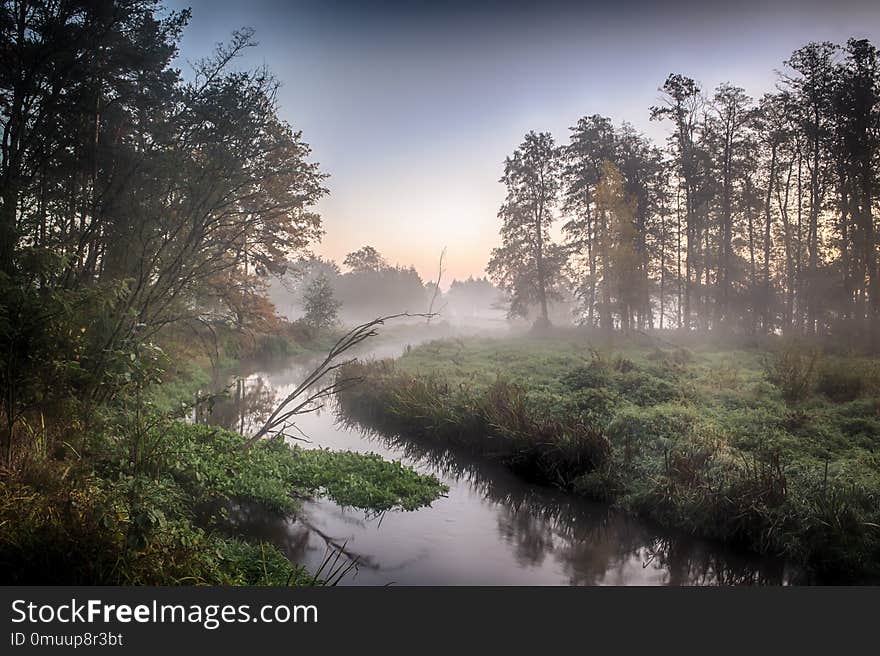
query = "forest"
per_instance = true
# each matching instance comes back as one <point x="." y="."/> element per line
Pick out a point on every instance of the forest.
<point x="756" y="217"/>
<point x="684" y="333"/>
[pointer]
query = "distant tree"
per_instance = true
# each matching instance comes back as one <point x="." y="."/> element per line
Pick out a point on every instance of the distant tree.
<point x="473" y="297"/>
<point x="527" y="264"/>
<point x="365" y="259"/>
<point x="393" y="289"/>
<point x="320" y="304"/>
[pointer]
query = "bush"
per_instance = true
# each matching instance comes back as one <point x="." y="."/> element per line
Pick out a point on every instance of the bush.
<point x="527" y="432"/>
<point x="76" y="530"/>
<point x="792" y="368"/>
<point x="592" y="376"/>
<point x="842" y="380"/>
<point x="644" y="389"/>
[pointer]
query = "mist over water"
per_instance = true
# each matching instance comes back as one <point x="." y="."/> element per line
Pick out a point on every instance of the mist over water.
<point x="491" y="529"/>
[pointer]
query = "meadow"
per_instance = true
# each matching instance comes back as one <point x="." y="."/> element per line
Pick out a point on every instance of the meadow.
<point x="773" y="449"/>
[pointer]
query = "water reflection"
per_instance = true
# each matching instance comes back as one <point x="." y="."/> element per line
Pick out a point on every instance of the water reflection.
<point x="492" y="528"/>
<point x="593" y="543"/>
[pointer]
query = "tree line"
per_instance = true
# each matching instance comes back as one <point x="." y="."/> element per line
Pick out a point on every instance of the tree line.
<point x="320" y="292"/>
<point x="757" y="216"/>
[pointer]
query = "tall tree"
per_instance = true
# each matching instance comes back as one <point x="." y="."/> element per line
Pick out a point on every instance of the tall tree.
<point x="811" y="85"/>
<point x="732" y="115"/>
<point x="856" y="148"/>
<point x="528" y="265"/>
<point x="131" y="199"/>
<point x="592" y="143"/>
<point x="683" y="104"/>
<point x="621" y="245"/>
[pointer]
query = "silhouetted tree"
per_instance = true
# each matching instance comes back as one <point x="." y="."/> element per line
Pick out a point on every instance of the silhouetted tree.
<point x="528" y="265"/>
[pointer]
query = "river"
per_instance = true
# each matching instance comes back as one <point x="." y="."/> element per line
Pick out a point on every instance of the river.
<point x="491" y="529"/>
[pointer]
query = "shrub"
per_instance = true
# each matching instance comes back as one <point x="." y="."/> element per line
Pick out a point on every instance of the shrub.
<point x="596" y="406"/>
<point x="592" y="376"/>
<point x="623" y="365"/>
<point x="682" y="356"/>
<point x="842" y="380"/>
<point x="792" y="368"/>
<point x="644" y="389"/>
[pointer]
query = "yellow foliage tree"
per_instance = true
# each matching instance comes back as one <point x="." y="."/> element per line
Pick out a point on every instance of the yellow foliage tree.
<point x="621" y="283"/>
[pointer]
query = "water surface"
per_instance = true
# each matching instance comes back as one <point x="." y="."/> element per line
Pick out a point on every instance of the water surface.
<point x="491" y="529"/>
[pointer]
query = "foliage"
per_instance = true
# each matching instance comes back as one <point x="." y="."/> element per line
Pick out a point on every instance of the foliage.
<point x="212" y="464"/>
<point x="792" y="368"/>
<point x="185" y="192"/>
<point x="59" y="526"/>
<point x="528" y="265"/>
<point x="699" y="233"/>
<point x="64" y="523"/>
<point x="320" y="305"/>
<point x="842" y="380"/>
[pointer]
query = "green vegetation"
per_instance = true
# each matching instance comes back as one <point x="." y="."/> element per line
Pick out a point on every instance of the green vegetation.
<point x="775" y="451"/>
<point x="85" y="521"/>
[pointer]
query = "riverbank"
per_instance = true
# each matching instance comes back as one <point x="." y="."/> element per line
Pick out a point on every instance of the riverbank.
<point x="92" y="522"/>
<point x="773" y="451"/>
<point x="138" y="496"/>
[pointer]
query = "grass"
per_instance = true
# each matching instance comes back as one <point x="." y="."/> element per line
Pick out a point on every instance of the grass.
<point x="133" y="497"/>
<point x="210" y="464"/>
<point x="87" y="522"/>
<point x="774" y="450"/>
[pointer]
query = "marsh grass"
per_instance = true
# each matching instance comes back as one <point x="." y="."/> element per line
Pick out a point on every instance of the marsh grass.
<point x="775" y="453"/>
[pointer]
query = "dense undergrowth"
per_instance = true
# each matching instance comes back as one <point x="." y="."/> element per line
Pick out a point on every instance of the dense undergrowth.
<point x="66" y="522"/>
<point x="775" y="450"/>
<point x="137" y="497"/>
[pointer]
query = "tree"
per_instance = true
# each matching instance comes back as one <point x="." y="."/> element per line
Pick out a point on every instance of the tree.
<point x="682" y="106"/>
<point x="474" y="297"/>
<point x="593" y="142"/>
<point x="132" y="198"/>
<point x="528" y="265"/>
<point x="320" y="304"/>
<point x="811" y="87"/>
<point x="728" y="144"/>
<point x="855" y="148"/>
<point x="754" y="218"/>
<point x="365" y="259"/>
<point x="623" y="282"/>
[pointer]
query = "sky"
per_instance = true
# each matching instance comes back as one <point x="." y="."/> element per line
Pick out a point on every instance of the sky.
<point x="411" y="107"/>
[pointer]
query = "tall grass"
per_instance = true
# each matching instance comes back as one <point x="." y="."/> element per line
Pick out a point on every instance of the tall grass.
<point x="498" y="422"/>
<point x="721" y="459"/>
